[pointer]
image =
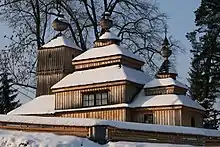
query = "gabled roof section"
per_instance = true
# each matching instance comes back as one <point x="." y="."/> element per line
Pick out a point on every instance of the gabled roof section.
<point x="102" y="75"/>
<point x="164" y="82"/>
<point x="109" y="35"/>
<point x="61" y="41"/>
<point x="44" y="104"/>
<point x="106" y="51"/>
<point x="164" y="100"/>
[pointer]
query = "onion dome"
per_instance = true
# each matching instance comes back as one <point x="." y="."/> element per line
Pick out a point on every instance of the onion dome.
<point x="166" y="69"/>
<point x="60" y="24"/>
<point x="106" y="23"/>
<point x="106" y="36"/>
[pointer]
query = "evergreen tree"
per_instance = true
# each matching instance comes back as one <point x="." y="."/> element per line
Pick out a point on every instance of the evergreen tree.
<point x="7" y="94"/>
<point x="205" y="72"/>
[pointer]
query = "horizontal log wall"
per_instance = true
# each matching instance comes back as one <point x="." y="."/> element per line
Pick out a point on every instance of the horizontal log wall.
<point x="117" y="114"/>
<point x="60" y="130"/>
<point x="155" y="137"/>
<point x="161" y="115"/>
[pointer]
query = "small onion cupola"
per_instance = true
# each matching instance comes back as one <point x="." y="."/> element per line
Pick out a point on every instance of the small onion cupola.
<point x="59" y="24"/>
<point x="166" y="69"/>
<point x="106" y="36"/>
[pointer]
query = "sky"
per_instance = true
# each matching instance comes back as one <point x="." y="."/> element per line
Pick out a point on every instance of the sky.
<point x="181" y="21"/>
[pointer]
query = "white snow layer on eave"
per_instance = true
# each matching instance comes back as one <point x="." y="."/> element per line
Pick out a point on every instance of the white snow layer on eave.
<point x="105" y="51"/>
<point x="40" y="105"/>
<point x="61" y="41"/>
<point x="164" y="82"/>
<point x="117" y="124"/>
<point x="164" y="100"/>
<point x="101" y="75"/>
<point x="109" y="35"/>
<point x="122" y="105"/>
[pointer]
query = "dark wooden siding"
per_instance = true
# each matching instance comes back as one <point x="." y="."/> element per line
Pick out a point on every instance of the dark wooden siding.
<point x="106" y="61"/>
<point x="53" y="64"/>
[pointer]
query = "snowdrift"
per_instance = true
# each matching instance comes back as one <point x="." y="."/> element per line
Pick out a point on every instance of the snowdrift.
<point x="24" y="139"/>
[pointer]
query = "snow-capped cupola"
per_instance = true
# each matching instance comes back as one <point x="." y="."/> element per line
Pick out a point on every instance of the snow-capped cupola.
<point x="166" y="70"/>
<point x="55" y="58"/>
<point x="107" y="51"/>
<point x="61" y="41"/>
<point x="165" y="81"/>
<point x="106" y="36"/>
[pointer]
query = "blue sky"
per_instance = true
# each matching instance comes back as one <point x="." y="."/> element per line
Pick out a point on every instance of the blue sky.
<point x="181" y="21"/>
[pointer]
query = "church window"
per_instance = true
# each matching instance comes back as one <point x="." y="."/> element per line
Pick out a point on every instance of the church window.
<point x="95" y="99"/>
<point x="148" y="118"/>
<point x="193" y="123"/>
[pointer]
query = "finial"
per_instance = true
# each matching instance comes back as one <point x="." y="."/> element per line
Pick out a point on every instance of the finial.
<point x="166" y="52"/>
<point x="106" y="23"/>
<point x="59" y="24"/>
<point x="165" y="41"/>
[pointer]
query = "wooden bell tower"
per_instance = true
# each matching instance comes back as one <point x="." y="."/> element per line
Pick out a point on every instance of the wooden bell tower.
<point x="55" y="59"/>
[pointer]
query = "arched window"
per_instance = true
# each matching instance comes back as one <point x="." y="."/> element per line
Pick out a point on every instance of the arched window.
<point x="193" y="123"/>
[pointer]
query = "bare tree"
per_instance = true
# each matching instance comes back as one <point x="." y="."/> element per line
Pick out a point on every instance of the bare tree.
<point x="139" y="23"/>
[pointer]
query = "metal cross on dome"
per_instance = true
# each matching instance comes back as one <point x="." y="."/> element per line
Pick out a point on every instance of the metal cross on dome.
<point x="165" y="51"/>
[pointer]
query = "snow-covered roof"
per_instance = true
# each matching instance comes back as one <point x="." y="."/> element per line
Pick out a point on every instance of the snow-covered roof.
<point x="109" y="35"/>
<point x="61" y="41"/>
<point x="117" y="124"/>
<point x="106" y="51"/>
<point x="40" y="105"/>
<point x="101" y="75"/>
<point x="164" y="82"/>
<point x="164" y="100"/>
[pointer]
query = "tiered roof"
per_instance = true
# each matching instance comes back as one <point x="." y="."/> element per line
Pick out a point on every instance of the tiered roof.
<point x="105" y="74"/>
<point x="164" y="82"/>
<point x="164" y="100"/>
<point x="107" y="51"/>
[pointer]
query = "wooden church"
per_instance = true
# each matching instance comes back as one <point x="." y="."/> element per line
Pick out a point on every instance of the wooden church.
<point x="107" y="82"/>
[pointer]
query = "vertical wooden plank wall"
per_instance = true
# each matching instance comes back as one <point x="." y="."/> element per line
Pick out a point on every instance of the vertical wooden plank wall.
<point x="53" y="64"/>
<point x="188" y="113"/>
<point x="162" y="116"/>
<point x="117" y="114"/>
<point x="73" y="99"/>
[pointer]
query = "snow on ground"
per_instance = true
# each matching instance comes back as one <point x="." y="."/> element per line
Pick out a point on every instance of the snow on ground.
<point x="24" y="139"/>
